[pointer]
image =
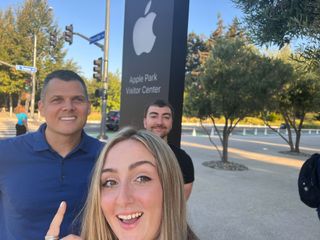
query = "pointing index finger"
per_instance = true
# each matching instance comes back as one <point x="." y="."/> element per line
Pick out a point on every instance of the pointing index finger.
<point x="54" y="229"/>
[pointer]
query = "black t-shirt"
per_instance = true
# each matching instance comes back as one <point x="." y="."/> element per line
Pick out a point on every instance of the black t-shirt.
<point x="185" y="163"/>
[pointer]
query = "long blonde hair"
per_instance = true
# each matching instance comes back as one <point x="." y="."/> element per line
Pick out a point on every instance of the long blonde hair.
<point x="173" y="224"/>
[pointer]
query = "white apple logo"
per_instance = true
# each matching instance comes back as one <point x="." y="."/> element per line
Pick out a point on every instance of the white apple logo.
<point x="143" y="36"/>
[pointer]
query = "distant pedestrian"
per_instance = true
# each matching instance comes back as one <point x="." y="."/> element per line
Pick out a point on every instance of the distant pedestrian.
<point x="22" y="124"/>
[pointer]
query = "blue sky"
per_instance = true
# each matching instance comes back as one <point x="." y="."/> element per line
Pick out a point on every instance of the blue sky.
<point x="88" y="18"/>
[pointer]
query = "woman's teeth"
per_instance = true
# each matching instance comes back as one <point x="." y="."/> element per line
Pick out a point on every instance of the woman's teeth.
<point x="130" y="216"/>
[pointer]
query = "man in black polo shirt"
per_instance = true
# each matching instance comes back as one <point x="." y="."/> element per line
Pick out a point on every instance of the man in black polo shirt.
<point x="158" y="118"/>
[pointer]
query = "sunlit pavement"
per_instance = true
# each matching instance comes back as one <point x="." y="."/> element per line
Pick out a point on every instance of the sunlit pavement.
<point x="259" y="204"/>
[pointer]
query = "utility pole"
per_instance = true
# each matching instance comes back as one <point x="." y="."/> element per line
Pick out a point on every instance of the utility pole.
<point x="102" y="134"/>
<point x="33" y="92"/>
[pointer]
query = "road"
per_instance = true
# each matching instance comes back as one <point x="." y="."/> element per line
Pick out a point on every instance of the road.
<point x="259" y="204"/>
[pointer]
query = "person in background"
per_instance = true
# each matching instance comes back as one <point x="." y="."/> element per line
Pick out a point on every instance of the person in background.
<point x="40" y="169"/>
<point x="158" y="118"/>
<point x="22" y="124"/>
<point x="136" y="192"/>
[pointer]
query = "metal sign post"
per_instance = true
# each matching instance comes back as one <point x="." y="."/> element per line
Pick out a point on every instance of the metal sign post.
<point x="105" y="74"/>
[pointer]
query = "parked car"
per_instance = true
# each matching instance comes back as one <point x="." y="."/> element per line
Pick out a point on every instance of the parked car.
<point x="283" y="126"/>
<point x="113" y="120"/>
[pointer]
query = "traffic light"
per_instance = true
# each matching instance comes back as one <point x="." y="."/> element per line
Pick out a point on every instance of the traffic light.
<point x="68" y="34"/>
<point x="53" y="39"/>
<point x="97" y="69"/>
<point x="98" y="92"/>
<point x="27" y="84"/>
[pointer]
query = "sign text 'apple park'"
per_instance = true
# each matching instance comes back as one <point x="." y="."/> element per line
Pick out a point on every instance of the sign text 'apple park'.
<point x="138" y="84"/>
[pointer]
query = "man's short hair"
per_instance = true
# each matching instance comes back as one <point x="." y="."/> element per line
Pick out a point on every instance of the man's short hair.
<point x="159" y="103"/>
<point x="64" y="75"/>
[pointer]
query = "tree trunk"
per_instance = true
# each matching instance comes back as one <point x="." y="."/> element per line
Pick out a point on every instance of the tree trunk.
<point x="289" y="126"/>
<point x="297" y="145"/>
<point x="225" y="143"/>
<point x="298" y="133"/>
<point x="290" y="141"/>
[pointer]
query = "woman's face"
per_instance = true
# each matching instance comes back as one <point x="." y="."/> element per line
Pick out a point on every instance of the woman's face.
<point x="131" y="192"/>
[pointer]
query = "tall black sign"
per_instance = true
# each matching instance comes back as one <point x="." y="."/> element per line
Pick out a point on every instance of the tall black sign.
<point x="154" y="53"/>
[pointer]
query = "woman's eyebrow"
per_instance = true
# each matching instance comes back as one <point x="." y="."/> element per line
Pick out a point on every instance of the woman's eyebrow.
<point x="108" y="170"/>
<point x="139" y="163"/>
<point x="132" y="166"/>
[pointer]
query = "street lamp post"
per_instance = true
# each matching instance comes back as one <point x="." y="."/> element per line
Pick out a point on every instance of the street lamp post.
<point x="33" y="92"/>
<point x="102" y="134"/>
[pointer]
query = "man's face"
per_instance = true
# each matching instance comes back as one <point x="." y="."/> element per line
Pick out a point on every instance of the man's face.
<point x="65" y="108"/>
<point x="158" y="120"/>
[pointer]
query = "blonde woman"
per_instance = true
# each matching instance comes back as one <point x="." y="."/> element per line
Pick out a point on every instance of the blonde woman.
<point x="136" y="193"/>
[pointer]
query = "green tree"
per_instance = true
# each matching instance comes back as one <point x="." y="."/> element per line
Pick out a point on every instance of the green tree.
<point x="279" y="22"/>
<point x="113" y="92"/>
<point x="301" y="97"/>
<point x="34" y="19"/>
<point x="298" y="96"/>
<point x="235" y="84"/>
<point x="198" y="49"/>
<point x="11" y="81"/>
<point x="18" y="28"/>
<point x="195" y="46"/>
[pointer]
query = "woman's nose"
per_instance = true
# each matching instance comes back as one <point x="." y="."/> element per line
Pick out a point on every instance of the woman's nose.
<point x="125" y="194"/>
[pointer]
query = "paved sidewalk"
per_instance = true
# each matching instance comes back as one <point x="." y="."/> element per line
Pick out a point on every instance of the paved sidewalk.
<point x="259" y="204"/>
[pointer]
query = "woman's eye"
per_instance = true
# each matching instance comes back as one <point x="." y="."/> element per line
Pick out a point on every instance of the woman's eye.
<point x="143" y="179"/>
<point x="109" y="183"/>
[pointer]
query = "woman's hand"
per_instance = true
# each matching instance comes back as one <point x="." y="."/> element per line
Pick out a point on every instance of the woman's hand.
<point x="54" y="229"/>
